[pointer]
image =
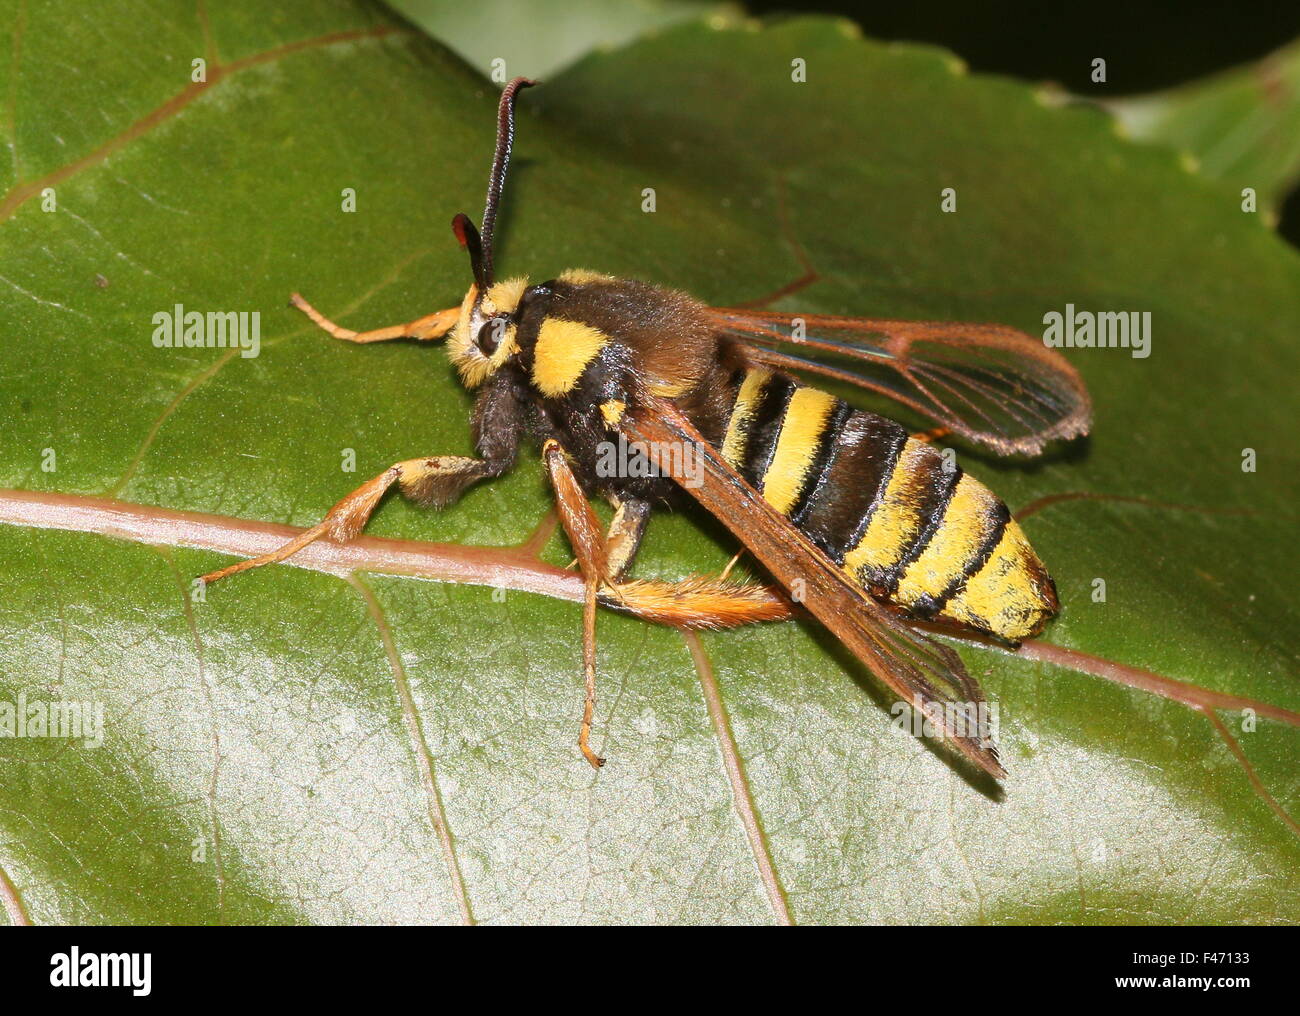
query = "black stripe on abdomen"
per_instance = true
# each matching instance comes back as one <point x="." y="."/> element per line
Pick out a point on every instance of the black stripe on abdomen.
<point x="859" y="464"/>
<point x="819" y="469"/>
<point x="997" y="525"/>
<point x="764" y="429"/>
<point x="935" y="482"/>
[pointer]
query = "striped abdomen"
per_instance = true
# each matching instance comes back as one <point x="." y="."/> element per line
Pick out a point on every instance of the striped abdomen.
<point x="887" y="508"/>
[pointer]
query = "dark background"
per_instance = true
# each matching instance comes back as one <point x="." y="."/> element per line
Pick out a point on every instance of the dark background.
<point x="1146" y="46"/>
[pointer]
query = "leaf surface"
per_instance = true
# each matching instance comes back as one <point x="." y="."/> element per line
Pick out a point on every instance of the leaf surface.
<point x="303" y="747"/>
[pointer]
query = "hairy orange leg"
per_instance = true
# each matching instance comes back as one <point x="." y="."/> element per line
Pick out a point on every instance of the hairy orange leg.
<point x="349" y="516"/>
<point x="583" y="529"/>
<point x="692" y="603"/>
<point x="432" y="326"/>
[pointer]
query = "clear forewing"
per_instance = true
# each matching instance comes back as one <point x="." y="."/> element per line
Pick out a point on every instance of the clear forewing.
<point x="992" y="384"/>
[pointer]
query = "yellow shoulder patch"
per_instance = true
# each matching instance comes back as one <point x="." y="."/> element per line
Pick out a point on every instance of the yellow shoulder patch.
<point x="564" y="348"/>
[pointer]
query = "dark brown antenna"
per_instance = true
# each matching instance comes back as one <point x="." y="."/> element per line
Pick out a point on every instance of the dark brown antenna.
<point x="500" y="163"/>
<point x="468" y="237"/>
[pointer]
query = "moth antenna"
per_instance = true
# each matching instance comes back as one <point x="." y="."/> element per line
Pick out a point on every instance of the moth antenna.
<point x="500" y="163"/>
<point x="468" y="237"/>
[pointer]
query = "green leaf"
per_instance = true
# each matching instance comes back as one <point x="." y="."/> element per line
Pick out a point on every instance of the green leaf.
<point x="553" y="35"/>
<point x="305" y="747"/>
<point x="1241" y="126"/>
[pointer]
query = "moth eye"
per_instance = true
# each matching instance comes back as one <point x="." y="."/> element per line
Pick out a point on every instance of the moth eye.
<point x="491" y="333"/>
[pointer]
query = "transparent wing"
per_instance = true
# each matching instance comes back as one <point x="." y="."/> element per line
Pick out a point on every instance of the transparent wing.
<point x="926" y="675"/>
<point x="992" y="384"/>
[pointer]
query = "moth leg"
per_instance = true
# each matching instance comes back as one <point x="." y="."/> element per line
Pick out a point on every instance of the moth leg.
<point x="624" y="539"/>
<point x="692" y="603"/>
<point x="583" y="529"/>
<point x="698" y="603"/>
<point x="625" y="534"/>
<point x="432" y="326"/>
<point x="731" y="564"/>
<point x="436" y="480"/>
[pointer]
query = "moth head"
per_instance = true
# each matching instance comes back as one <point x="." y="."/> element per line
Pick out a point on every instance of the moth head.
<point x="484" y="336"/>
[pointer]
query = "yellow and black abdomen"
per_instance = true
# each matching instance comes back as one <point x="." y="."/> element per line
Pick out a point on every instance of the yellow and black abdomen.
<point x="909" y="527"/>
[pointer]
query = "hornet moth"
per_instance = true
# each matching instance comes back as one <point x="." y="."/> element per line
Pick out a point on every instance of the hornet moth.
<point x="875" y="528"/>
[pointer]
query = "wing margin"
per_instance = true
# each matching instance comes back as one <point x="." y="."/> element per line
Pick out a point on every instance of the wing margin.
<point x="992" y="384"/>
